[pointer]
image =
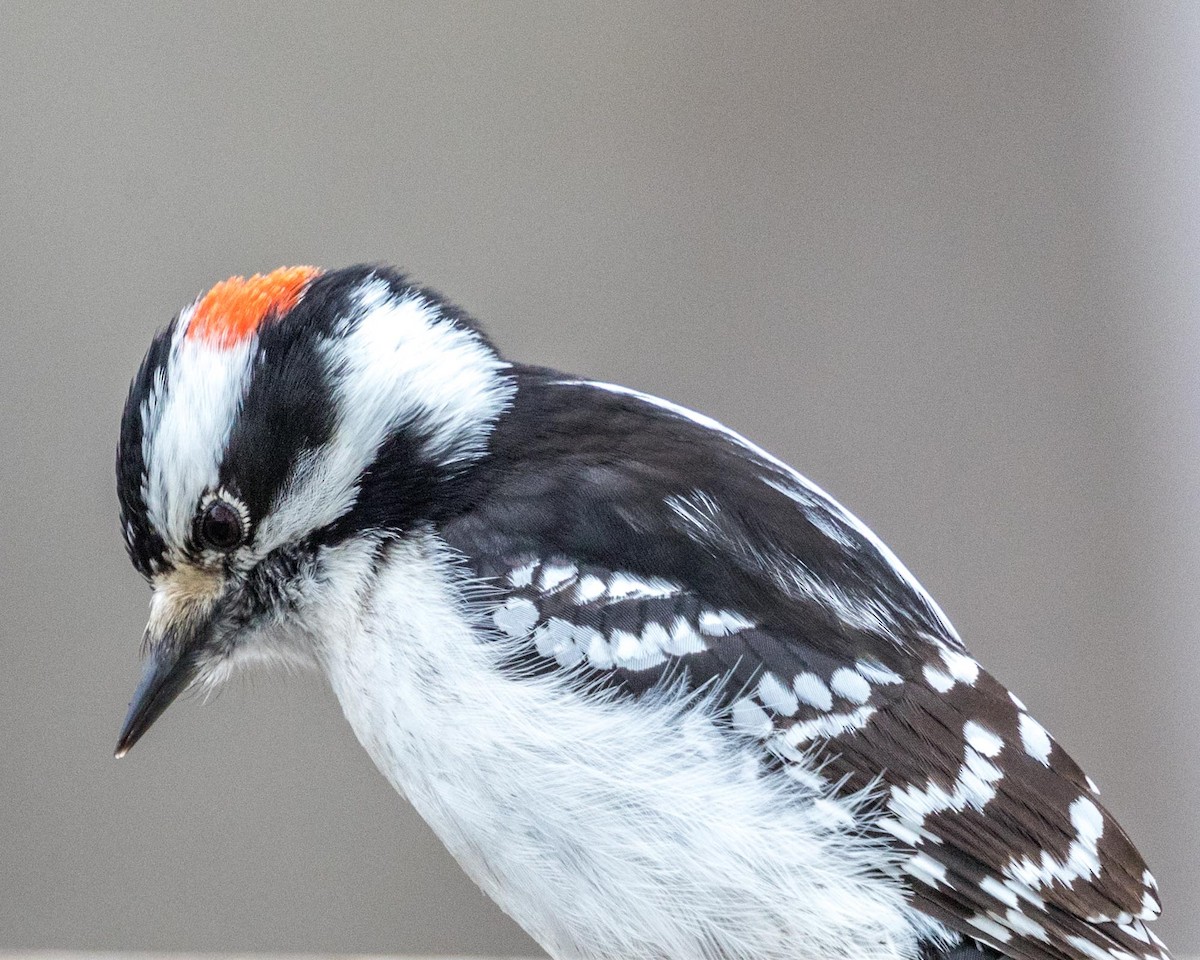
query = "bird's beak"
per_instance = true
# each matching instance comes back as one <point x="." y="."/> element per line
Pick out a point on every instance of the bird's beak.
<point x="181" y="624"/>
<point x="164" y="677"/>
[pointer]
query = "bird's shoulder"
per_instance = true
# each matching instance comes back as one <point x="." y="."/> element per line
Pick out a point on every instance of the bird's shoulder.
<point x="607" y="475"/>
<point x="638" y="543"/>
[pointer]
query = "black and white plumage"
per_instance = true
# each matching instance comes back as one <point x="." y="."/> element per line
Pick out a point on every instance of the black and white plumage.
<point x="659" y="694"/>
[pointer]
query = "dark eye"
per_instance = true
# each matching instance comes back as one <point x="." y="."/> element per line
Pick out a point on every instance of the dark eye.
<point x="220" y="526"/>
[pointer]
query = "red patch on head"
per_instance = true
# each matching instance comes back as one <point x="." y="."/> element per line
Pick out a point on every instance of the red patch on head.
<point x="235" y="308"/>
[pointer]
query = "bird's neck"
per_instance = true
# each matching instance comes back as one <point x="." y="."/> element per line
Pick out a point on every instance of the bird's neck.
<point x="401" y="659"/>
<point x="424" y="695"/>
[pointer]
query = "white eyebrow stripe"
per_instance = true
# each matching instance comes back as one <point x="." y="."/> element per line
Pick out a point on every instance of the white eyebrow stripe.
<point x="187" y="420"/>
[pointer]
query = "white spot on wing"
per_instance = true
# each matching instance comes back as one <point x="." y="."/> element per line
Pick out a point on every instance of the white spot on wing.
<point x="684" y="639"/>
<point x="998" y="889"/>
<point x="568" y="643"/>
<point x="976" y="780"/>
<point x="517" y="617"/>
<point x="570" y="654"/>
<point x="522" y="576"/>
<point x="982" y="739"/>
<point x="635" y="652"/>
<point x="926" y="869"/>
<point x="1088" y="821"/>
<point x="899" y="830"/>
<point x="940" y="682"/>
<point x="624" y="586"/>
<point x="721" y="623"/>
<point x="878" y="673"/>
<point x="829" y="725"/>
<point x="555" y="575"/>
<point x="626" y="645"/>
<point x="961" y="667"/>
<point x="590" y="588"/>
<point x="655" y="637"/>
<point x="850" y="685"/>
<point x="1088" y="948"/>
<point x="812" y="690"/>
<point x="974" y="787"/>
<point x="599" y="651"/>
<point x="1082" y="859"/>
<point x="1151" y="907"/>
<point x="1034" y="739"/>
<point x="645" y="659"/>
<point x="777" y="696"/>
<point x="1021" y="923"/>
<point x="987" y="925"/>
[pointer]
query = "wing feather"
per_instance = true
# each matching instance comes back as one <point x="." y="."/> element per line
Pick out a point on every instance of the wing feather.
<point x="1000" y="839"/>
<point x="656" y="545"/>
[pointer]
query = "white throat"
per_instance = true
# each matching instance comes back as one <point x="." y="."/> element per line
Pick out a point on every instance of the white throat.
<point x="606" y="828"/>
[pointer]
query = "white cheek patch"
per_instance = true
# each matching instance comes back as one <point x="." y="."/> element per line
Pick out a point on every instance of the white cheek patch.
<point x="394" y="362"/>
<point x="186" y="425"/>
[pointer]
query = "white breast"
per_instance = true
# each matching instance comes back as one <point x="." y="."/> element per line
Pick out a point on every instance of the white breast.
<point x="606" y="828"/>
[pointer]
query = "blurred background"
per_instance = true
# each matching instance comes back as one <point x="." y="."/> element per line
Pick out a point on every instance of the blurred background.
<point x="940" y="256"/>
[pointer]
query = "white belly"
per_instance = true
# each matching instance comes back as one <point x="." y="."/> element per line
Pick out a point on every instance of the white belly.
<point x="606" y="830"/>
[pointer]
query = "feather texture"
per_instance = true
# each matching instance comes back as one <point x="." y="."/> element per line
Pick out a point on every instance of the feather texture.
<point x="692" y="557"/>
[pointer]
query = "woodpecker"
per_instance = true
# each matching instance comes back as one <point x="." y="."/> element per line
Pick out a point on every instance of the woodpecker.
<point x="658" y="694"/>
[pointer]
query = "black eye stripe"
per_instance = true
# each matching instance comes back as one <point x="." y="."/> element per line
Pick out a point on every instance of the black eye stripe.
<point x="288" y="407"/>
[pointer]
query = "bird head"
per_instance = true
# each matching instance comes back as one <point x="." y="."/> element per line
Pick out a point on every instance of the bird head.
<point x="275" y="423"/>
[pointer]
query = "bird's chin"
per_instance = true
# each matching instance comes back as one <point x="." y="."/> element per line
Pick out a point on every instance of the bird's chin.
<point x="252" y="651"/>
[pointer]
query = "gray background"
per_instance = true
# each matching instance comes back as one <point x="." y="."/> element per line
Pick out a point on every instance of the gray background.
<point x="942" y="257"/>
